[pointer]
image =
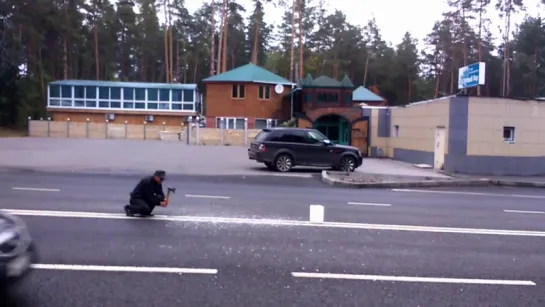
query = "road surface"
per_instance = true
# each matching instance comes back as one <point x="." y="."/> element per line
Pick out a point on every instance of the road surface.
<point x="247" y="242"/>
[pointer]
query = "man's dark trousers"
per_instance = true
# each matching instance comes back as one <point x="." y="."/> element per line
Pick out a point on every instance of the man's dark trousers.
<point x="139" y="206"/>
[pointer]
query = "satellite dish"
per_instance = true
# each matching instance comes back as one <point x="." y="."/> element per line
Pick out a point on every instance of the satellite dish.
<point x="279" y="89"/>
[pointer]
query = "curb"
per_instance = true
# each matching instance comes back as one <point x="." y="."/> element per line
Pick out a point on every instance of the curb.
<point x="328" y="179"/>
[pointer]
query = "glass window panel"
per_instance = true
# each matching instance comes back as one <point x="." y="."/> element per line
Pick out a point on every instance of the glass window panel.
<point x="164" y="106"/>
<point x="140" y="105"/>
<point x="260" y="123"/>
<point x="79" y="103"/>
<point x="239" y="123"/>
<point x="164" y="95"/>
<point x="91" y="104"/>
<point x="140" y="94"/>
<point x="66" y="103"/>
<point x="115" y="93"/>
<point x="234" y="92"/>
<point x="79" y="92"/>
<point x="66" y="91"/>
<point x="103" y="104"/>
<point x="128" y="93"/>
<point x="267" y="92"/>
<point x="188" y="95"/>
<point x="54" y="102"/>
<point x="218" y="122"/>
<point x="128" y="105"/>
<point x="153" y="106"/>
<point x="90" y="92"/>
<point x="54" y="91"/>
<point x="176" y="95"/>
<point x="188" y="106"/>
<point x="176" y="106"/>
<point x="115" y="104"/>
<point x="104" y="92"/>
<point x="153" y="95"/>
<point x="242" y="91"/>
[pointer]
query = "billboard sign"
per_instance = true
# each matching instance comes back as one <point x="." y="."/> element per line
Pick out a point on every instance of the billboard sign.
<point x="471" y="75"/>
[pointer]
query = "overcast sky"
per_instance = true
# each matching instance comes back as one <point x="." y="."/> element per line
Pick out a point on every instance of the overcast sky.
<point x="394" y="17"/>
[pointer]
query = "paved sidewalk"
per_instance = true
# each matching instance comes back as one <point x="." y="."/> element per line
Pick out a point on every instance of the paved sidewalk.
<point x="137" y="156"/>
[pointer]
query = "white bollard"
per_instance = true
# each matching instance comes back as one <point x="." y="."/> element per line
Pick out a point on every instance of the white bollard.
<point x="316" y="213"/>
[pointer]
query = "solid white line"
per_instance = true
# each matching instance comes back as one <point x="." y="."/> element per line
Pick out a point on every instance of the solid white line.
<point x="207" y="196"/>
<point x="274" y="222"/>
<point x="369" y="204"/>
<point x="522" y="211"/>
<point x="130" y="269"/>
<point x="35" y="189"/>
<point x="415" y="279"/>
<point x="469" y="193"/>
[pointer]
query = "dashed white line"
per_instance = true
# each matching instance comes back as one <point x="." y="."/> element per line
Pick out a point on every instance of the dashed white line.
<point x="469" y="193"/>
<point x="275" y="222"/>
<point x="369" y="204"/>
<point x="35" y="189"/>
<point x="523" y="211"/>
<point x="207" y="196"/>
<point x="129" y="269"/>
<point x="415" y="279"/>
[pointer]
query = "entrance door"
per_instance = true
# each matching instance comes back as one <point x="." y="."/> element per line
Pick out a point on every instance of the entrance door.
<point x="439" y="151"/>
<point x="359" y="135"/>
<point x="334" y="127"/>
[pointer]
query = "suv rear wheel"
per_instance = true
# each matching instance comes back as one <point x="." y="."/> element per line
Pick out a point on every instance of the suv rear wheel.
<point x="283" y="163"/>
<point x="348" y="164"/>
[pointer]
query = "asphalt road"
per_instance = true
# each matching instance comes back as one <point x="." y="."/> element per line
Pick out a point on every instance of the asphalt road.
<point x="270" y="265"/>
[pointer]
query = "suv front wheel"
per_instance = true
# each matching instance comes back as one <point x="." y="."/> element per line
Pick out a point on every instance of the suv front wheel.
<point x="348" y="164"/>
<point x="283" y="163"/>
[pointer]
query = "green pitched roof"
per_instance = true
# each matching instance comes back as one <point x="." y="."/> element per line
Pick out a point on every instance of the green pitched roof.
<point x="248" y="73"/>
<point x="324" y="81"/>
<point x="363" y="94"/>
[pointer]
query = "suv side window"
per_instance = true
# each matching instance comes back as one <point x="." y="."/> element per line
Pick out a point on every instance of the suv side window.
<point x="281" y="136"/>
<point x="309" y="139"/>
<point x="299" y="137"/>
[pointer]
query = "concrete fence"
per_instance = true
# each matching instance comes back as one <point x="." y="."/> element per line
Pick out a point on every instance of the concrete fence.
<point x="189" y="133"/>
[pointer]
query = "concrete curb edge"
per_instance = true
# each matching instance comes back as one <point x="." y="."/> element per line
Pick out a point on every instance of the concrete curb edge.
<point x="328" y="179"/>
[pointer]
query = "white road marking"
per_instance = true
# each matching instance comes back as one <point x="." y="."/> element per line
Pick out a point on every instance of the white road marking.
<point x="415" y="279"/>
<point x="207" y="196"/>
<point x="522" y="211"/>
<point x="35" y="189"/>
<point x="369" y="204"/>
<point x="469" y="193"/>
<point x="130" y="269"/>
<point x="275" y="222"/>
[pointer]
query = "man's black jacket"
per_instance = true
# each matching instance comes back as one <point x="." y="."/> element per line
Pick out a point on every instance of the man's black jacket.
<point x="149" y="190"/>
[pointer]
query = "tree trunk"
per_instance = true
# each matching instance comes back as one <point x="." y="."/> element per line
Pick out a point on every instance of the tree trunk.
<point x="225" y="45"/>
<point x="171" y="51"/>
<point x="409" y="90"/>
<point x="366" y="70"/>
<point x="480" y="40"/>
<point x="292" y="52"/>
<point x="196" y="68"/>
<point x="166" y="44"/>
<point x="256" y="42"/>
<point x="212" y="42"/>
<point x="95" y="37"/>
<point x="222" y="36"/>
<point x="301" y="62"/>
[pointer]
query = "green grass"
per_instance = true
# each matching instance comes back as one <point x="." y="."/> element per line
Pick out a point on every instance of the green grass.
<point x="11" y="133"/>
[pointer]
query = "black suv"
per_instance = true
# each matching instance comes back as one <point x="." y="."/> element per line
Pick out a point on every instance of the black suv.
<point x="283" y="148"/>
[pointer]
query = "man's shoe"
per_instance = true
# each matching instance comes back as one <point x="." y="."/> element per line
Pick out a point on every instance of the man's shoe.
<point x="128" y="211"/>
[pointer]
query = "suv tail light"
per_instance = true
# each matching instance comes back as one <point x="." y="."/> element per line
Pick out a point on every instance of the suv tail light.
<point x="261" y="148"/>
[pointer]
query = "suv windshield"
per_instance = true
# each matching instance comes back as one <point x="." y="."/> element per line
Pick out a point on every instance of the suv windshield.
<point x="317" y="136"/>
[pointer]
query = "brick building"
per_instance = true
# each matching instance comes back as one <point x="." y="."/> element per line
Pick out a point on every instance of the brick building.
<point x="334" y="108"/>
<point x="119" y="102"/>
<point x="248" y="92"/>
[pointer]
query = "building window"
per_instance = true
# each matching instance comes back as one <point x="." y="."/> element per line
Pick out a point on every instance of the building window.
<point x="347" y="97"/>
<point x="79" y="92"/>
<point x="508" y="134"/>
<point x="140" y="94"/>
<point x="115" y="93"/>
<point x="55" y="91"/>
<point x="104" y="93"/>
<point x="66" y="91"/>
<point x="395" y="132"/>
<point x="328" y="97"/>
<point x="164" y="95"/>
<point x="261" y="123"/>
<point x="264" y="92"/>
<point x="128" y="93"/>
<point x="176" y="95"/>
<point x="189" y="95"/>
<point x="230" y="123"/>
<point x="239" y="91"/>
<point x="90" y="92"/>
<point x="153" y="95"/>
<point x="308" y="97"/>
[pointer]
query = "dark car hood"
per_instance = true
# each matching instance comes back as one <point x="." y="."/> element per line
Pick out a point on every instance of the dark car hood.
<point x="346" y="147"/>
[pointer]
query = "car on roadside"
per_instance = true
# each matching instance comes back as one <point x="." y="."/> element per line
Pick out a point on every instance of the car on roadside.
<point x="283" y="148"/>
<point x="17" y="250"/>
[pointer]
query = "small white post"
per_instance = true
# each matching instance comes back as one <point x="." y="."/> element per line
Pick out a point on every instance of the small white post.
<point x="87" y="128"/>
<point x="316" y="214"/>
<point x="68" y="127"/>
<point x="198" y="135"/>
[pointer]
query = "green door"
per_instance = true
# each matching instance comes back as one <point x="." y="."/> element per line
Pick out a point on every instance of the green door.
<point x="335" y="128"/>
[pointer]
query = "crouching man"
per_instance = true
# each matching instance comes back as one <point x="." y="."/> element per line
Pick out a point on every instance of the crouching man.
<point x="147" y="195"/>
